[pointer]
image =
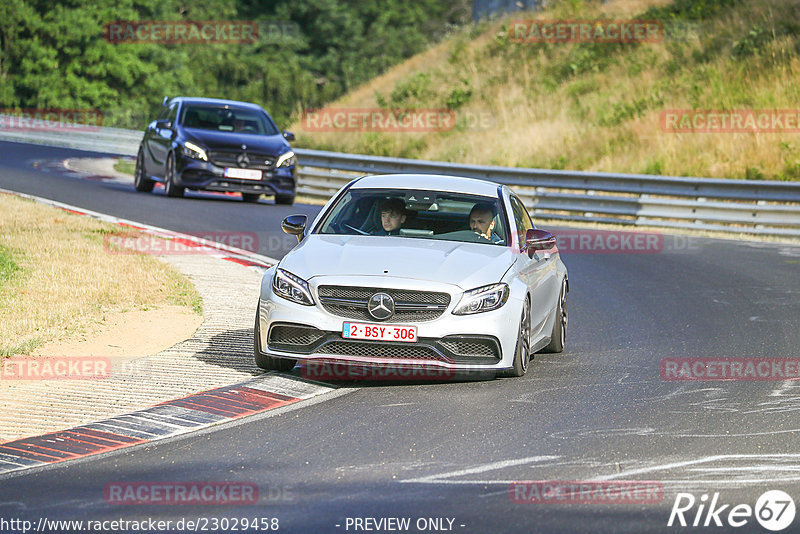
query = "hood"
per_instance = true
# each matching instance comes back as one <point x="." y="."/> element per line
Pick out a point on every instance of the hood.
<point x="467" y="265"/>
<point x="214" y="140"/>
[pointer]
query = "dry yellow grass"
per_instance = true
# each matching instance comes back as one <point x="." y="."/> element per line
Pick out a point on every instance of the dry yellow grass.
<point x="67" y="280"/>
<point x="606" y="115"/>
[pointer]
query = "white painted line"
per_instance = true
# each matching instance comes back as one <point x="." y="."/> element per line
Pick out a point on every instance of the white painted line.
<point x="437" y="479"/>
<point x="748" y="434"/>
<point x="664" y="467"/>
<point x="746" y="469"/>
<point x="736" y="483"/>
<point x="442" y="478"/>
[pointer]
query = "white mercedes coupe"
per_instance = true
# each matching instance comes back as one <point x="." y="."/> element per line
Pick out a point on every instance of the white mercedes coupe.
<point x="415" y="270"/>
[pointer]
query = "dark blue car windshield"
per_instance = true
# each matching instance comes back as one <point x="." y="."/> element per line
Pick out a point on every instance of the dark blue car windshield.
<point x="227" y="119"/>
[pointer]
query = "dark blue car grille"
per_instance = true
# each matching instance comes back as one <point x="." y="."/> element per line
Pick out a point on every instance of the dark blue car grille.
<point x="228" y="158"/>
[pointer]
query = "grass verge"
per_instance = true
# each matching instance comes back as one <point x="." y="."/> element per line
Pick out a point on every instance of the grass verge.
<point x="125" y="166"/>
<point x="8" y="266"/>
<point x="57" y="276"/>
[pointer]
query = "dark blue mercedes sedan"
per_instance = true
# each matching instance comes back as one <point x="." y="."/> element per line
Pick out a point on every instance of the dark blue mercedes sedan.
<point x="216" y="145"/>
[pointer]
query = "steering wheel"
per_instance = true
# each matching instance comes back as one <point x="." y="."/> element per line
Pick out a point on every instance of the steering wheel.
<point x="359" y="230"/>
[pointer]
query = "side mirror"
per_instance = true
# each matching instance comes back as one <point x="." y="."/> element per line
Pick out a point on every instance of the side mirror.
<point x="163" y="124"/>
<point x="295" y="225"/>
<point x="536" y="239"/>
<point x="289" y="136"/>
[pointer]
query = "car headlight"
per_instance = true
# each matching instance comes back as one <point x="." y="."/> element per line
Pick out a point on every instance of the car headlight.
<point x="482" y="299"/>
<point x="292" y="287"/>
<point x="193" y="151"/>
<point x="286" y="160"/>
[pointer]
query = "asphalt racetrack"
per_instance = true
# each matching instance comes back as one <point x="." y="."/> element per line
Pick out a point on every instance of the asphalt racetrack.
<point x="444" y="455"/>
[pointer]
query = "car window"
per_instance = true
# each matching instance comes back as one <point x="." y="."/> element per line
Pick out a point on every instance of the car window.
<point x="521" y="218"/>
<point x="227" y="119"/>
<point x="416" y="214"/>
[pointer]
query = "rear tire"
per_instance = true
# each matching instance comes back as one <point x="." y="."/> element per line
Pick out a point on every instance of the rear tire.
<point x="251" y="197"/>
<point x="140" y="180"/>
<point x="268" y="363"/>
<point x="522" y="354"/>
<point x="170" y="188"/>
<point x="558" y="336"/>
<point x="286" y="200"/>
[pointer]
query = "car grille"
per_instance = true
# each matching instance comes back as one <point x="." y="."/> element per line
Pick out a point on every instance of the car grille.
<point x="410" y="305"/>
<point x="227" y="158"/>
<point x="302" y="339"/>
<point x="379" y="350"/>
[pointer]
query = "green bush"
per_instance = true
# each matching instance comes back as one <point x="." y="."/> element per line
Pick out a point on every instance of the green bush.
<point x="409" y="93"/>
<point x="459" y="96"/>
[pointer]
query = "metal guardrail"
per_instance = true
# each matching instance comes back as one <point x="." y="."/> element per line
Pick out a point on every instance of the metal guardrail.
<point x="749" y="206"/>
<point x="738" y="206"/>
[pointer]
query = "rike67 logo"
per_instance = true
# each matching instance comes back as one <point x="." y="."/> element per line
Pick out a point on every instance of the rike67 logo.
<point x="774" y="510"/>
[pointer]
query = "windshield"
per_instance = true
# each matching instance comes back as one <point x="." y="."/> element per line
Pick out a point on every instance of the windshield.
<point x="418" y="214"/>
<point x="227" y="119"/>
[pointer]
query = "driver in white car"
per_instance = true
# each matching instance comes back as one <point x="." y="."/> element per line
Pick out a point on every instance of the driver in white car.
<point x="393" y="215"/>
<point x="481" y="221"/>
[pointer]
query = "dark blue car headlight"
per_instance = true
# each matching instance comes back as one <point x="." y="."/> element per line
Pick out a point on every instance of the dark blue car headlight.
<point x="292" y="287"/>
<point x="287" y="159"/>
<point x="191" y="150"/>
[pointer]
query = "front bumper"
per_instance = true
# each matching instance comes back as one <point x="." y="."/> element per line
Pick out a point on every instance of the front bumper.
<point x="205" y="176"/>
<point x="479" y="342"/>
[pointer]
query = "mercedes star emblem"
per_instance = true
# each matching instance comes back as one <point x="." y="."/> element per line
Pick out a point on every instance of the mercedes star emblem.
<point x="243" y="160"/>
<point x="381" y="306"/>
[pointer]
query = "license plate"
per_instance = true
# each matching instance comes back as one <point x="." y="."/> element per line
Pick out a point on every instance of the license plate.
<point x="242" y="174"/>
<point x="379" y="332"/>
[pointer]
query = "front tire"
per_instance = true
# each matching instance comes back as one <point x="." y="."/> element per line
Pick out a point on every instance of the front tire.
<point x="286" y="200"/>
<point x="558" y="336"/>
<point x="140" y="180"/>
<point x="268" y="363"/>
<point x="170" y="188"/>
<point x="522" y="355"/>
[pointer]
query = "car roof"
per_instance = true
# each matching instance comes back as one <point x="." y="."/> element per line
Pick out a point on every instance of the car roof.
<point x="214" y="101"/>
<point x="431" y="182"/>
